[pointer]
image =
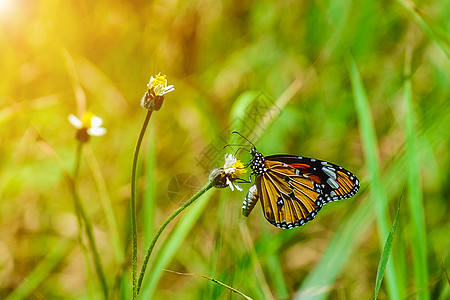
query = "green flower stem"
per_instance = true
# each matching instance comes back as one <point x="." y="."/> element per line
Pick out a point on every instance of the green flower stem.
<point x="164" y="225"/>
<point x="72" y="184"/>
<point x="106" y="203"/>
<point x="72" y="180"/>
<point x="133" y="201"/>
<point x="76" y="166"/>
<point x="88" y="226"/>
<point x="80" y="212"/>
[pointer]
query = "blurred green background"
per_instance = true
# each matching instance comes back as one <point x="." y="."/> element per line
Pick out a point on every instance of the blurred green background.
<point x="336" y="78"/>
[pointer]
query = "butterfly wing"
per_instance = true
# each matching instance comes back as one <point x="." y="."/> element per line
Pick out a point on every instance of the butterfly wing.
<point x="288" y="199"/>
<point x="294" y="189"/>
<point x="335" y="182"/>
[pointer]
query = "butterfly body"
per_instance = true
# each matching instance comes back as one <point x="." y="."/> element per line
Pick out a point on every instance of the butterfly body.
<point x="293" y="189"/>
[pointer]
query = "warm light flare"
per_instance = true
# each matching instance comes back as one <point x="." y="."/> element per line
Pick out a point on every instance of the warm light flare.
<point x="6" y="6"/>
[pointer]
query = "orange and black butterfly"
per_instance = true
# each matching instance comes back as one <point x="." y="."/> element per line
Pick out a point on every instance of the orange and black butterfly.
<point x="293" y="189"/>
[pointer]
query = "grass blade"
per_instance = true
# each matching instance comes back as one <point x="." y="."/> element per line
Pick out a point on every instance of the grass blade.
<point x="106" y="203"/>
<point x="415" y="13"/>
<point x="445" y="290"/>
<point x="319" y="282"/>
<point x="419" y="239"/>
<point x="378" y="193"/>
<point x="385" y="254"/>
<point x="445" y="270"/>
<point x="172" y="244"/>
<point x="257" y="267"/>
<point x="213" y="280"/>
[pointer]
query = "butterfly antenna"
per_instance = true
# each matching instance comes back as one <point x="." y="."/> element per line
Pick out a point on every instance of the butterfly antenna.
<point x="241" y="148"/>
<point x="235" y="145"/>
<point x="245" y="138"/>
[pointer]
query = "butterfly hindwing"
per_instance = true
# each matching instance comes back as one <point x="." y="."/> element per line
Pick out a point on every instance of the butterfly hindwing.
<point x="288" y="199"/>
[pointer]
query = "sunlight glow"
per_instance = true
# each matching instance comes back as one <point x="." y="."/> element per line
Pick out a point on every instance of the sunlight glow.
<point x="6" y="5"/>
<point x="8" y="10"/>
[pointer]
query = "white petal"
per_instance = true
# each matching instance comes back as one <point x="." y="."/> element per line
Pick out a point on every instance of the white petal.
<point x="75" y="121"/>
<point x="168" y="89"/>
<point x="96" y="131"/>
<point x="229" y="170"/>
<point x="96" y="121"/>
<point x="230" y="184"/>
<point x="229" y="160"/>
<point x="150" y="82"/>
<point x="238" y="187"/>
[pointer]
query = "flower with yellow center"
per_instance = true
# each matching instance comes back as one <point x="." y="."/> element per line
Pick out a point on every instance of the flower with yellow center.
<point x="89" y="125"/>
<point x="229" y="173"/>
<point x="156" y="89"/>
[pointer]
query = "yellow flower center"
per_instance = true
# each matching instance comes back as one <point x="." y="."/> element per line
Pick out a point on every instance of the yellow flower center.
<point x="240" y="169"/>
<point x="87" y="119"/>
<point x="160" y="80"/>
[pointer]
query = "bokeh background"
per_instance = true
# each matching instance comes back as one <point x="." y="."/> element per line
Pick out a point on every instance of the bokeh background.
<point x="335" y="82"/>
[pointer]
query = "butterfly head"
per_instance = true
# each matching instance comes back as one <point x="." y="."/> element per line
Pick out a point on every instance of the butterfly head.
<point x="257" y="163"/>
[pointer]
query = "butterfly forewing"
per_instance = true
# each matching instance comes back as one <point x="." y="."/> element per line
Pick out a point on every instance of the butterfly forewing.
<point x="335" y="182"/>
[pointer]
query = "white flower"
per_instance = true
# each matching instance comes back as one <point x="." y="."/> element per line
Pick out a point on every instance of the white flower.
<point x="158" y="85"/>
<point x="229" y="166"/>
<point x="233" y="185"/>
<point x="89" y="125"/>
<point x="227" y="175"/>
<point x="156" y="89"/>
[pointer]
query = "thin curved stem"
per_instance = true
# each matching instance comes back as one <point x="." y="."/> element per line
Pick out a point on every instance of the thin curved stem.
<point x="133" y="201"/>
<point x="164" y="225"/>
<point x="73" y="186"/>
<point x="72" y="181"/>
<point x="88" y="226"/>
<point x="76" y="166"/>
<point x="80" y="212"/>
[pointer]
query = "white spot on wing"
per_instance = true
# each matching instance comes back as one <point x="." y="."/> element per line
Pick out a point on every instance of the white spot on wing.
<point x="331" y="182"/>
<point x="329" y="172"/>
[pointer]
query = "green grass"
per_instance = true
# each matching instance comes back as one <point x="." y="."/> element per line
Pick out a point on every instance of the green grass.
<point x="362" y="84"/>
<point x="173" y="244"/>
<point x="41" y="271"/>
<point x="415" y="197"/>
<point x="378" y="193"/>
<point x="385" y="254"/>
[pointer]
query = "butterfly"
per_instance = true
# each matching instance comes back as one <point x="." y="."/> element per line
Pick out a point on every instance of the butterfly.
<point x="293" y="189"/>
